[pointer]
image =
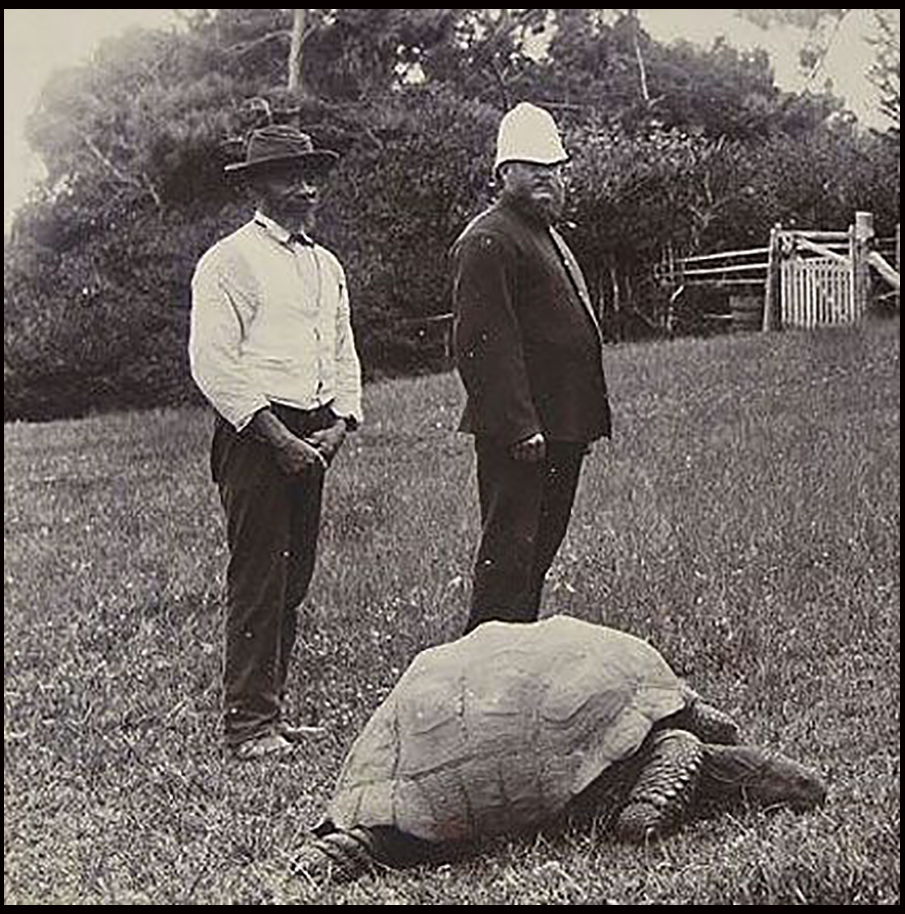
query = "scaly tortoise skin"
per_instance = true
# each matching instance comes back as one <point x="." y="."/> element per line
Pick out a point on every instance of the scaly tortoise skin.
<point x="509" y="727"/>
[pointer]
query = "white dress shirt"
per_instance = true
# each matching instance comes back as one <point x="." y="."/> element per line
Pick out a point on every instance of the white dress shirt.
<point x="271" y="324"/>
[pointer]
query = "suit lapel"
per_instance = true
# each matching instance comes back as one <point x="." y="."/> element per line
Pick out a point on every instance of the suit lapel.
<point x="577" y="277"/>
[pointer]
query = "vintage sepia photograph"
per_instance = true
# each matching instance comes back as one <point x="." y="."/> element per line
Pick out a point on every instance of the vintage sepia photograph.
<point x="451" y="456"/>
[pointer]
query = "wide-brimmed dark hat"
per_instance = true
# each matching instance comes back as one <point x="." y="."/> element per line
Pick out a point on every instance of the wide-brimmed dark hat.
<point x="281" y="147"/>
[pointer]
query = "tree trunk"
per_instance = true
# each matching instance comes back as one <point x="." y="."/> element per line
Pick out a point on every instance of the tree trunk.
<point x="295" y="82"/>
<point x="642" y="69"/>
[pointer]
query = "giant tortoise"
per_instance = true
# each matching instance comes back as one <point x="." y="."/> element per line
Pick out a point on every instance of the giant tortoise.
<point x="506" y="728"/>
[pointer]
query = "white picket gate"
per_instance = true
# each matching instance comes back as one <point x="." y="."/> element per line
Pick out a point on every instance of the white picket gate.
<point x="817" y="290"/>
<point x="824" y="278"/>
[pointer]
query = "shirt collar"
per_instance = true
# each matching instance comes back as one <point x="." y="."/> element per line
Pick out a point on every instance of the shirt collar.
<point x="276" y="231"/>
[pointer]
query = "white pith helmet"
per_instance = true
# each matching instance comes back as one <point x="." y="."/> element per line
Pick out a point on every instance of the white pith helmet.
<point x="528" y="134"/>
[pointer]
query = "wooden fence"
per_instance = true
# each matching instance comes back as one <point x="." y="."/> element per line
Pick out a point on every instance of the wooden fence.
<point x="741" y="274"/>
<point x="803" y="278"/>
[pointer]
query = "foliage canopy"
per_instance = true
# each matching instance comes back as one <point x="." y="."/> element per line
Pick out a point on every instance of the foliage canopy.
<point x="676" y="148"/>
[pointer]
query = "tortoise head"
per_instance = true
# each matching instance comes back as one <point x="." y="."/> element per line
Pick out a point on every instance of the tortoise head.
<point x="762" y="777"/>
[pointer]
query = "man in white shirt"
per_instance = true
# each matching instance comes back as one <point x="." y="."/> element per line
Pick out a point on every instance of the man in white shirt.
<point x="272" y="350"/>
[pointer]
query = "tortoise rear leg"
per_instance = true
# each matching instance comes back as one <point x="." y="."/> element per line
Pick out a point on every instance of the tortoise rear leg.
<point x="338" y="856"/>
<point x="665" y="786"/>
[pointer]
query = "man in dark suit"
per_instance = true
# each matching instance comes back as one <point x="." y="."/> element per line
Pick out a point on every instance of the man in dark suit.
<point x="529" y="352"/>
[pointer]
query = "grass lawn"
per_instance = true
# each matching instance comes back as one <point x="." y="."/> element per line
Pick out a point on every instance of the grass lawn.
<point x="745" y="518"/>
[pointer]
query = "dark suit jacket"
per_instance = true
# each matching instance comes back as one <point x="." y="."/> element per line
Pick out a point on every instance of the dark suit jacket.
<point x="528" y="346"/>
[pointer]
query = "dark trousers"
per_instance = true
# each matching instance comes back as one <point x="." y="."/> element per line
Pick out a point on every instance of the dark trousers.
<point x="272" y="530"/>
<point x="525" y="512"/>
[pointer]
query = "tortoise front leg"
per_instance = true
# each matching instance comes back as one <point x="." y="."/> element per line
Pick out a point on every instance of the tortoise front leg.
<point x="666" y="784"/>
<point x="709" y="724"/>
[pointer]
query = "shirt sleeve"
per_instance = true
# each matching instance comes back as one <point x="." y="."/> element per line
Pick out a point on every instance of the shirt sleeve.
<point x="488" y="340"/>
<point x="215" y="338"/>
<point x="348" y="366"/>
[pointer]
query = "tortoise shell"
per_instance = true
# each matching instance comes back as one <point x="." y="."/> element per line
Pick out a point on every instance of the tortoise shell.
<point x="499" y="730"/>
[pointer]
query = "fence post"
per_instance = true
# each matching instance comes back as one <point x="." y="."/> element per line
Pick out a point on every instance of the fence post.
<point x="772" y="303"/>
<point x="862" y="235"/>
<point x="448" y="351"/>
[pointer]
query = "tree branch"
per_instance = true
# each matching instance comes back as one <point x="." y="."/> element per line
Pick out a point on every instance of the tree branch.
<point x="145" y="184"/>
<point x="240" y="50"/>
<point x="151" y="190"/>
<point x="820" y="54"/>
<point x="497" y="74"/>
<point x="120" y="175"/>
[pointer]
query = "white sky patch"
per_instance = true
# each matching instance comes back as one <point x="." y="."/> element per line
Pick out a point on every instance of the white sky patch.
<point x="36" y="42"/>
<point x="846" y="65"/>
<point x="704" y="26"/>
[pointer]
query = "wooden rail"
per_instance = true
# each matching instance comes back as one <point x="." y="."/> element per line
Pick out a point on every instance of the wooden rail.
<point x="810" y="277"/>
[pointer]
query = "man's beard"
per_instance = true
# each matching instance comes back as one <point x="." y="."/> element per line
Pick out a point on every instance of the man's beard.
<point x="552" y="208"/>
<point x="302" y="215"/>
<point x="306" y="220"/>
<point x="547" y="209"/>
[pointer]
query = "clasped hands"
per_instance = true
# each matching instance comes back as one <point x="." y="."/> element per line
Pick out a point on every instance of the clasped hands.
<point x="315" y="450"/>
<point x="530" y="450"/>
<point x="294" y="455"/>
